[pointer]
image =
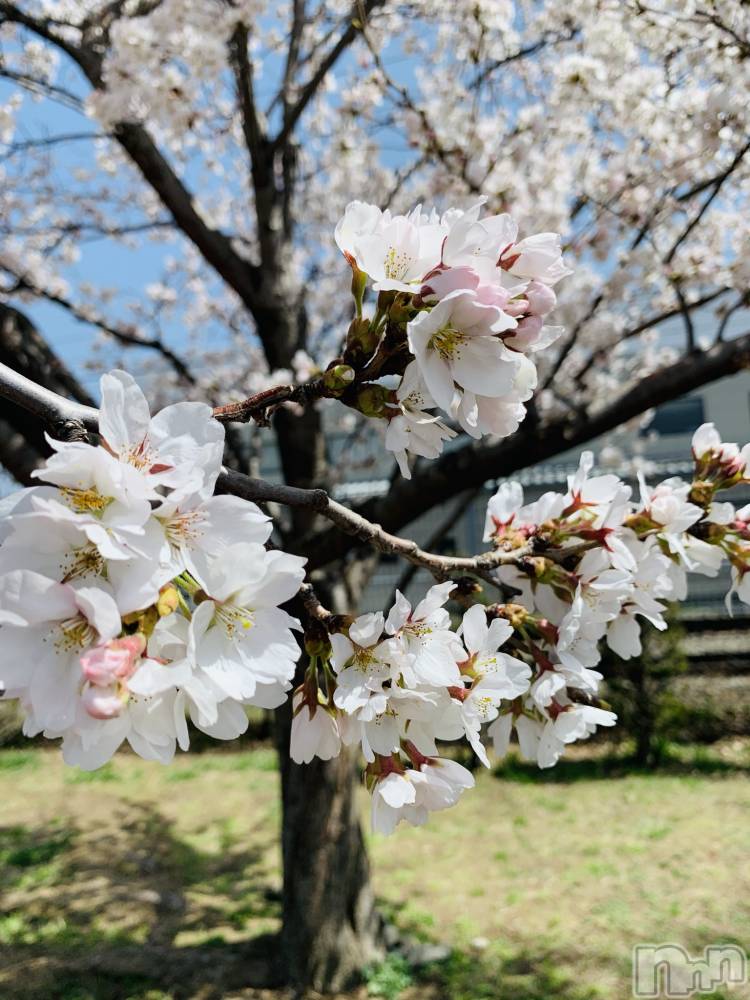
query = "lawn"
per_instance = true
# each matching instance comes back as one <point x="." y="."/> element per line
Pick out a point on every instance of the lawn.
<point x="163" y="884"/>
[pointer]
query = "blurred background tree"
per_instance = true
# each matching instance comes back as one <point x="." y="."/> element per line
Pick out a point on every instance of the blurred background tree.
<point x="640" y="690"/>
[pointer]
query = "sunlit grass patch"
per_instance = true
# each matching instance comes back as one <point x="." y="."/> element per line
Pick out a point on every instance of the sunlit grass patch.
<point x="16" y="760"/>
<point x="389" y="978"/>
<point x="539" y="887"/>
<point x="533" y="975"/>
<point x="107" y="772"/>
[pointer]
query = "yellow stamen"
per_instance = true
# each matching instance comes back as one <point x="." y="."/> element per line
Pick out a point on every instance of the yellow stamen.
<point x="85" y="500"/>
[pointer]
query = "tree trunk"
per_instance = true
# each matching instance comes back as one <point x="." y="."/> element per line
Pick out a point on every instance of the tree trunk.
<point x="644" y="712"/>
<point x="330" y="926"/>
<point x="331" y="929"/>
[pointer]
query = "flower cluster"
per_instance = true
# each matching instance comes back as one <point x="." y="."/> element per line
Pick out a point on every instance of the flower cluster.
<point x="586" y="567"/>
<point x="121" y="612"/>
<point x="473" y="299"/>
<point x="393" y="686"/>
<point x="132" y="597"/>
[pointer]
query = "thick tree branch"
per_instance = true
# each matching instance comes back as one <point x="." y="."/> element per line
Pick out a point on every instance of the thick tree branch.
<point x="452" y="518"/>
<point x="215" y="246"/>
<point x="255" y="138"/>
<point x="43" y="403"/>
<point x="22" y="443"/>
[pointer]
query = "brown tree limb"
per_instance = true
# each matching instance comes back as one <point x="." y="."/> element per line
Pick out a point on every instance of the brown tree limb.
<point x="716" y="184"/>
<point x="648" y="324"/>
<point x="215" y="246"/>
<point x="123" y="334"/>
<point x="256" y="406"/>
<point x="464" y="502"/>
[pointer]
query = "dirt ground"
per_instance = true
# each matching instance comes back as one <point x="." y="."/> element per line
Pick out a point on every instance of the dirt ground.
<point x="147" y="883"/>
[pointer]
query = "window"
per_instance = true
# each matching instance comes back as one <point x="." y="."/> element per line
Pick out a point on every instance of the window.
<point x="681" y="416"/>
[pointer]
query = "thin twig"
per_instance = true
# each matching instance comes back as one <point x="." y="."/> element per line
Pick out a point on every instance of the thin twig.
<point x="256" y="405"/>
<point x="464" y="501"/>
<point x="357" y="20"/>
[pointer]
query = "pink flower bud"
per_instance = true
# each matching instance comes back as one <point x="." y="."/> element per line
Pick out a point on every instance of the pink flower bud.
<point x="115" y="660"/>
<point x="542" y="299"/>
<point x="103" y="702"/>
<point x="517" y="307"/>
<point x="452" y="279"/>
<point x="525" y="334"/>
<point x="493" y="295"/>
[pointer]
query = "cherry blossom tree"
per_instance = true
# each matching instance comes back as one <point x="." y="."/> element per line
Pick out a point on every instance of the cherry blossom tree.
<point x="226" y="138"/>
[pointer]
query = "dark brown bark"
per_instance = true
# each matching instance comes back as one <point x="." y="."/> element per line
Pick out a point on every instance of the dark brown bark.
<point x="22" y="347"/>
<point x="330" y="926"/>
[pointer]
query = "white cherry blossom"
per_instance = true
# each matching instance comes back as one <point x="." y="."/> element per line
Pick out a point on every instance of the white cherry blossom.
<point x="454" y="344"/>
<point x="314" y="733"/>
<point x="46" y="627"/>
<point x="425" y="635"/>
<point x="413" y="430"/>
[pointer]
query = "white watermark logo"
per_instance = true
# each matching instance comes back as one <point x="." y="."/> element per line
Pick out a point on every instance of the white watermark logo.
<point x="668" y="970"/>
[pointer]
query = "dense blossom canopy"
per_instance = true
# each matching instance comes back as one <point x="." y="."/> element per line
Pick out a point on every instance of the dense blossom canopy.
<point x="621" y="125"/>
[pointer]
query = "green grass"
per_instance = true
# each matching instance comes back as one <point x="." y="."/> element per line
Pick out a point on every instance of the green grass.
<point x="150" y="883"/>
<point x="103" y="774"/>
<point x="522" y="976"/>
<point x="389" y="979"/>
<point x="16" y="760"/>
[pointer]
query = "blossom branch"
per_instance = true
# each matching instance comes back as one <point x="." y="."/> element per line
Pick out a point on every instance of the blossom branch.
<point x="135" y="140"/>
<point x="315" y="611"/>
<point x="474" y="464"/>
<point x="124" y="335"/>
<point x="353" y="524"/>
<point x="254" y="407"/>
<point x="547" y="39"/>
<point x="455" y="513"/>
<point x="68" y="418"/>
<point x="647" y="324"/>
<point x="717" y="184"/>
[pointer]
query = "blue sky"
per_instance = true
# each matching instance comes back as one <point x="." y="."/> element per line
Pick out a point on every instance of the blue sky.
<point x="105" y="262"/>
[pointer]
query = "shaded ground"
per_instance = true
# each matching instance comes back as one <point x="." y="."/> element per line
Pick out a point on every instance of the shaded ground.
<point x="144" y="883"/>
